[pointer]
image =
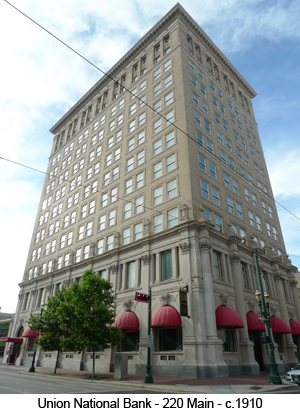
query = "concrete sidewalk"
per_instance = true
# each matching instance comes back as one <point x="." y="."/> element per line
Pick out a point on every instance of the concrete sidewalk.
<point x="239" y="384"/>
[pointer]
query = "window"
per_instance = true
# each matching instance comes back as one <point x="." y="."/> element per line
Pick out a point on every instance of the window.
<point x="138" y="231"/>
<point x="130" y="275"/>
<point x="157" y="224"/>
<point x="168" y="98"/>
<point x="100" y="244"/>
<point x="270" y="211"/>
<point x="169" y="118"/>
<point x="226" y="180"/>
<point x="235" y="187"/>
<point x="157" y="126"/>
<point x="157" y="147"/>
<point x="126" y="236"/>
<point x="218" y="222"/>
<point x="129" y="164"/>
<point x="110" y="242"/>
<point x="127" y="210"/>
<point x="166" y="263"/>
<point x="251" y="219"/>
<point x="168" y="81"/>
<point x="195" y="99"/>
<point x="268" y="229"/>
<point x="199" y="139"/>
<point x="216" y="197"/>
<point x="197" y="118"/>
<point x="217" y="267"/>
<point x="140" y="157"/>
<point x="239" y="211"/>
<point x="157" y="170"/>
<point x="201" y="163"/>
<point x="70" y="238"/>
<point x="128" y="186"/>
<point x="258" y="222"/>
<point x="78" y="255"/>
<point x="230" y="205"/>
<point x="102" y="222"/>
<point x="212" y="170"/>
<point x="170" y="139"/>
<point x="209" y="146"/>
<point x="157" y="196"/>
<point x="89" y="228"/>
<point x="112" y="218"/>
<point x="171" y="189"/>
<point x="227" y="336"/>
<point x="275" y="233"/>
<point x="207" y="126"/>
<point x="204" y="190"/>
<point x="139" y="205"/>
<point x="157" y="90"/>
<point x="171" y="164"/>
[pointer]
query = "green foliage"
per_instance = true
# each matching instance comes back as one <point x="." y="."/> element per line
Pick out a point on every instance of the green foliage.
<point x="49" y="324"/>
<point x="87" y="313"/>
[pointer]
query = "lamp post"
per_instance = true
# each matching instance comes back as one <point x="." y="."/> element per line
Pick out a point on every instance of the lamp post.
<point x="32" y="368"/>
<point x="148" y="378"/>
<point x="264" y="307"/>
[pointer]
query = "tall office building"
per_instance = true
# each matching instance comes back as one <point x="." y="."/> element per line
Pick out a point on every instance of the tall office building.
<point x="157" y="179"/>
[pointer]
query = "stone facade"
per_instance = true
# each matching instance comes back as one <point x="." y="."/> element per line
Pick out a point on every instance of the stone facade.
<point x="158" y="179"/>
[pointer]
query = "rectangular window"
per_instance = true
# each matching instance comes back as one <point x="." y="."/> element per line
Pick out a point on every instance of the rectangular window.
<point x="157" y="170"/>
<point x="126" y="236"/>
<point x="130" y="275"/>
<point x="218" y="221"/>
<point x="157" y="147"/>
<point x="100" y="245"/>
<point x="157" y="224"/>
<point x="110" y="242"/>
<point x="128" y="186"/>
<point x="139" y="205"/>
<point x="127" y="210"/>
<point x="230" y="205"/>
<point x="217" y="265"/>
<point x="138" y="231"/>
<point x="171" y="189"/>
<point x="172" y="218"/>
<point x="166" y="263"/>
<point x="170" y="139"/>
<point x="204" y="190"/>
<point x="199" y="139"/>
<point x="157" y="196"/>
<point x="216" y="197"/>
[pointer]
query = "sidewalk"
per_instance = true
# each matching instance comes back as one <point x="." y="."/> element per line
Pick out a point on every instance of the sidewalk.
<point x="239" y="384"/>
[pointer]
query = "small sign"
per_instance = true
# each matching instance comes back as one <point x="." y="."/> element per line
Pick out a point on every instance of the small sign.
<point x="142" y="297"/>
<point x="183" y="303"/>
<point x="150" y="341"/>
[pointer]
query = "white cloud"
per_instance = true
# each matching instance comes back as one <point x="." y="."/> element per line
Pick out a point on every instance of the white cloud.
<point x="284" y="171"/>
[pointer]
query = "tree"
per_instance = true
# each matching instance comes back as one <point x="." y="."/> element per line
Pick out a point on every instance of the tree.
<point x="87" y="312"/>
<point x="48" y="323"/>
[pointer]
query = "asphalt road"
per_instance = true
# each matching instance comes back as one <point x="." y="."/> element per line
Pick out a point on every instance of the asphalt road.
<point x="15" y="383"/>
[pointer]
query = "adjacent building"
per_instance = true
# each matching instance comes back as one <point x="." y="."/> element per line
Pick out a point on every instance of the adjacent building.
<point x="157" y="179"/>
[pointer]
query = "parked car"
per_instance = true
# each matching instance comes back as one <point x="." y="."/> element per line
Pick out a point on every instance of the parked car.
<point x="294" y="375"/>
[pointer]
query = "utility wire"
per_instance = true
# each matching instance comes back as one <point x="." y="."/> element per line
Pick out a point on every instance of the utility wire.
<point x="127" y="90"/>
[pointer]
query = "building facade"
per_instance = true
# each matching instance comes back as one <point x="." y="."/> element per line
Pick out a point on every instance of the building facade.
<point x="157" y="179"/>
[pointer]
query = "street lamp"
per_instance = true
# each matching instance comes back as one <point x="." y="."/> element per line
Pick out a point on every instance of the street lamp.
<point x="264" y="306"/>
<point x="32" y="368"/>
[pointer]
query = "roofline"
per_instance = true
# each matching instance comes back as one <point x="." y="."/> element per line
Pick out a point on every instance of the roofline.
<point x="176" y="10"/>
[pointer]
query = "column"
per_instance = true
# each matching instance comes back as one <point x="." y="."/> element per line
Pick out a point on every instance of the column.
<point x="290" y="346"/>
<point x="249" y="365"/>
<point x="296" y="300"/>
<point x="216" y="366"/>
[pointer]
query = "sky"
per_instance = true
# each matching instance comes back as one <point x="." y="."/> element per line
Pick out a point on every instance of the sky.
<point x="41" y="79"/>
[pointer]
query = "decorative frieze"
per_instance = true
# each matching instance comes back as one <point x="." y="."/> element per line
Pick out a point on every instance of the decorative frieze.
<point x="183" y="212"/>
<point x="146" y="259"/>
<point x="185" y="247"/>
<point x="277" y="277"/>
<point x="117" y="239"/>
<point x="127" y="305"/>
<point x="113" y="268"/>
<point x="224" y="299"/>
<point x="164" y="299"/>
<point x="293" y="284"/>
<point x="147" y="224"/>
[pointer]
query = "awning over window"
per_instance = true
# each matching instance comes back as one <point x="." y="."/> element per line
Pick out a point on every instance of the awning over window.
<point x="127" y="321"/>
<point x="253" y="322"/>
<point x="166" y="316"/>
<point x="279" y="326"/>
<point x="11" y="340"/>
<point x="228" y="317"/>
<point x="29" y="333"/>
<point x="295" y="327"/>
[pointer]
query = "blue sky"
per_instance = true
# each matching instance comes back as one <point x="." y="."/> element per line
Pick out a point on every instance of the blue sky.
<point x="41" y="79"/>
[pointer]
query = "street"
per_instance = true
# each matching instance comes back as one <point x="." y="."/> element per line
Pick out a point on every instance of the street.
<point x="15" y="383"/>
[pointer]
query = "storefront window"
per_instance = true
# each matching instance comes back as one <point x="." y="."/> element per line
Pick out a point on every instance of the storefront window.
<point x="130" y="342"/>
<point x="227" y="336"/>
<point x="169" y="339"/>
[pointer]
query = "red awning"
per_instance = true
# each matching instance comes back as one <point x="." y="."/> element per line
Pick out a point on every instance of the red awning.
<point x="127" y="321"/>
<point x="29" y="333"/>
<point x="279" y="326"/>
<point x="228" y="317"/>
<point x="166" y="316"/>
<point x="11" y="340"/>
<point x="295" y="327"/>
<point x="253" y="322"/>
